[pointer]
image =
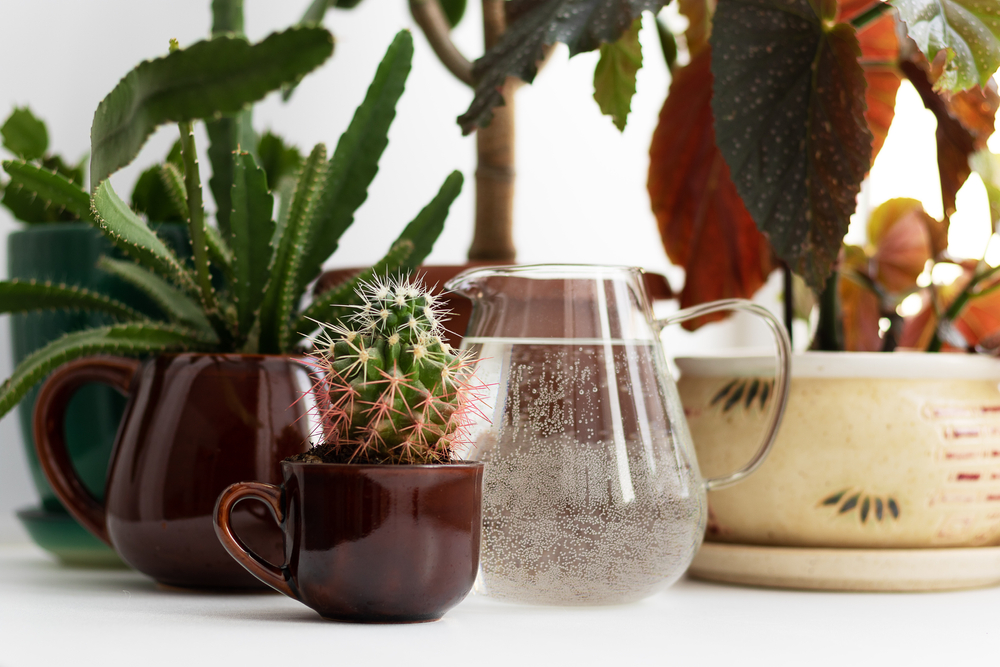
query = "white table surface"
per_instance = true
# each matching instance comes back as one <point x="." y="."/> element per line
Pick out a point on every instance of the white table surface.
<point x="57" y="616"/>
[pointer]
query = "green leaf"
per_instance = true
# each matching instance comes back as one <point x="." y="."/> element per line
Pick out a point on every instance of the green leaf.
<point x="153" y="197"/>
<point x="129" y="233"/>
<point x="177" y="305"/>
<point x="668" y="43"/>
<point x="789" y="102"/>
<point x="425" y="229"/>
<point x="24" y="135"/>
<point x="614" y="76"/>
<point x="355" y="161"/>
<point x="19" y="296"/>
<point x="453" y="11"/>
<point x="227" y="135"/>
<point x="276" y="159"/>
<point x="968" y="31"/>
<point x="583" y="25"/>
<point x="280" y="292"/>
<point x="219" y="251"/>
<point x="210" y="77"/>
<point x="227" y="17"/>
<point x="125" y="339"/>
<point x="336" y="303"/>
<point x="252" y="230"/>
<point x="173" y="186"/>
<point x="50" y="188"/>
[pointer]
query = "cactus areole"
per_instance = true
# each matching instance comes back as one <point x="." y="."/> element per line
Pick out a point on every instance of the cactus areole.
<point x="388" y="389"/>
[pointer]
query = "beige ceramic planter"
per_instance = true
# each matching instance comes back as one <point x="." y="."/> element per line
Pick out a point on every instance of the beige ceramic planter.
<point x="876" y="450"/>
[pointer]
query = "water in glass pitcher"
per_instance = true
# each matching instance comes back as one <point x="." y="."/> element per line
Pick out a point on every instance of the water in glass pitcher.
<point x="591" y="491"/>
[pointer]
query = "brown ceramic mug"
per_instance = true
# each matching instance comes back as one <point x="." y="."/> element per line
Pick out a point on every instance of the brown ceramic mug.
<point x="367" y="543"/>
<point x="194" y="424"/>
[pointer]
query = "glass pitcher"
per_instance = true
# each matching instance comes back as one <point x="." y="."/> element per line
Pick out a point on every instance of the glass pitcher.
<point x="592" y="493"/>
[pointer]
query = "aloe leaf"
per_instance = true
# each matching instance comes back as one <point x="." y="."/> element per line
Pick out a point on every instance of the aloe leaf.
<point x="49" y="186"/>
<point x="278" y="295"/>
<point x="335" y="303"/>
<point x="252" y="231"/>
<point x="355" y="161"/>
<point x="125" y="339"/>
<point x="424" y="229"/>
<point x="129" y="233"/>
<point x="220" y="75"/>
<point x="176" y="304"/>
<point x="20" y="296"/>
<point x="24" y="135"/>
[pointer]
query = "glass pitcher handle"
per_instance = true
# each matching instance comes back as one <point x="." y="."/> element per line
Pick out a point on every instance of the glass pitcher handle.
<point x="784" y="348"/>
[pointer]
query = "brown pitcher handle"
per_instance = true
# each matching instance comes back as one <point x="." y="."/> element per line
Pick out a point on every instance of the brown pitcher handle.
<point x="50" y="435"/>
<point x="270" y="574"/>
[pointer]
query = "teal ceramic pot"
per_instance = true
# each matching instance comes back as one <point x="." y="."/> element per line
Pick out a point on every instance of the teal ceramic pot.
<point x="68" y="253"/>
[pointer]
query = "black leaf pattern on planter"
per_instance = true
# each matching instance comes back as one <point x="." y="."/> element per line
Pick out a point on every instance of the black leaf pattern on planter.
<point x="850" y="503"/>
<point x="893" y="508"/>
<point x="747" y="390"/>
<point x="835" y="498"/>
<point x="867" y="504"/>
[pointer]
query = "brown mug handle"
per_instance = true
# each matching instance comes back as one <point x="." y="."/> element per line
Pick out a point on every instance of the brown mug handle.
<point x="270" y="574"/>
<point x="50" y="436"/>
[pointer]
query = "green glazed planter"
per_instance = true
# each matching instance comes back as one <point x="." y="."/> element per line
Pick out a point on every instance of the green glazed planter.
<point x="68" y="252"/>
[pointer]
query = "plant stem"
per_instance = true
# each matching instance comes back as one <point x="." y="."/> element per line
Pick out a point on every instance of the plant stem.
<point x="196" y="217"/>
<point x="957" y="305"/>
<point x="871" y="14"/>
<point x="827" y="334"/>
<point x="493" y="239"/>
<point x="432" y="21"/>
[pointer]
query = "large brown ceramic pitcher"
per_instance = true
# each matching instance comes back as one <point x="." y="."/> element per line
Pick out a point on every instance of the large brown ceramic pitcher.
<point x="193" y="425"/>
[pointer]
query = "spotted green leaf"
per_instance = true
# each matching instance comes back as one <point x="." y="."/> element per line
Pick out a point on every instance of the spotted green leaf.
<point x="968" y="31"/>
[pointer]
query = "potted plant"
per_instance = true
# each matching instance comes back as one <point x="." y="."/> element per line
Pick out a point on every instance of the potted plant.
<point x="221" y="360"/>
<point x="381" y="522"/>
<point x="56" y="245"/>
<point x="870" y="454"/>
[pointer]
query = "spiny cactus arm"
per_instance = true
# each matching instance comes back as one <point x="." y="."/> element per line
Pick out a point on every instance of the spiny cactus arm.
<point x="196" y="217"/>
<point x="129" y="233"/>
<point x="173" y="183"/>
<point x="50" y="186"/>
<point x="227" y="135"/>
<point x="19" y="296"/>
<point x="219" y="251"/>
<point x="125" y="339"/>
<point x="252" y="230"/>
<point x="279" y="299"/>
<point x="336" y="303"/>
<point x="220" y="75"/>
<point x="176" y="304"/>
<point x="355" y="161"/>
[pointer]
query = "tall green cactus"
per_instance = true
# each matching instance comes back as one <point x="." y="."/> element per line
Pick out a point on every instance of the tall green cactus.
<point x="243" y="294"/>
<point x="388" y="388"/>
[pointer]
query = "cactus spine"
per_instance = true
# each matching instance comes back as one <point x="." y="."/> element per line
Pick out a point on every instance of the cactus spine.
<point x="389" y="389"/>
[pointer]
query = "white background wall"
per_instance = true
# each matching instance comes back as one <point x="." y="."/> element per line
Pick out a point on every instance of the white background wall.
<point x="581" y="184"/>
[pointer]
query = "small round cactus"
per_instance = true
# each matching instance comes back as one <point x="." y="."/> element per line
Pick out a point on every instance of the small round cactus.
<point x="388" y="388"/>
